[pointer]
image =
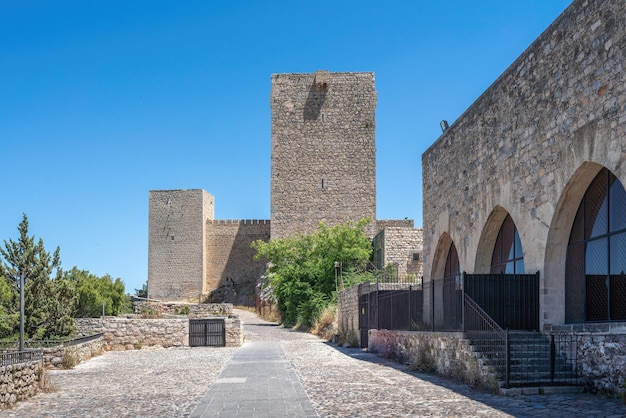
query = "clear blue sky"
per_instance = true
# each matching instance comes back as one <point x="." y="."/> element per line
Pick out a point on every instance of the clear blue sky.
<point x="102" y="101"/>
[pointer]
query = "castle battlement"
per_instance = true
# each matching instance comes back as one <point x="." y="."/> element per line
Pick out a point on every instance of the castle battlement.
<point x="238" y="221"/>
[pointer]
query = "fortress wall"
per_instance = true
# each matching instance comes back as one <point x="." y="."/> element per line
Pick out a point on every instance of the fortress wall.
<point x="229" y="254"/>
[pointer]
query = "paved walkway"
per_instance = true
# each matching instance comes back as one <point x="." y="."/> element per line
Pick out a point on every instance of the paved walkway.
<point x="257" y="382"/>
<point x="278" y="372"/>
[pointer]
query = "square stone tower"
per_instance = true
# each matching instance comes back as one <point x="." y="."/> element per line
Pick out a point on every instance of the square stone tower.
<point x="177" y="229"/>
<point x="323" y="150"/>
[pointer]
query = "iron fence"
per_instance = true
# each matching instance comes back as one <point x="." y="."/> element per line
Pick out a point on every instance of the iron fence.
<point x="16" y="357"/>
<point x="65" y="342"/>
<point x="487" y="336"/>
<point x="512" y="300"/>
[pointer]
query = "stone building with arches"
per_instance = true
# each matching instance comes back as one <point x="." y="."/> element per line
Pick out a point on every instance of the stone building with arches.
<point x="531" y="177"/>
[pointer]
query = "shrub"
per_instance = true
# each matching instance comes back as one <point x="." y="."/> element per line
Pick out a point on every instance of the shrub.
<point x="70" y="359"/>
<point x="325" y="325"/>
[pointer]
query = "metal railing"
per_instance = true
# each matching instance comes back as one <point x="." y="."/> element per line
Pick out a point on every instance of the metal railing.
<point x="486" y="335"/>
<point x="16" y="357"/>
<point x="65" y="342"/>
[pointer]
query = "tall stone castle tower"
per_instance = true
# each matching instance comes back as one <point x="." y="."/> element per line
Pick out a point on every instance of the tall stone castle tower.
<point x="323" y="150"/>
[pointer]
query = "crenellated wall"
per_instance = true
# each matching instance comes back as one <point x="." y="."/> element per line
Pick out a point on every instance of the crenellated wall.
<point x="230" y="258"/>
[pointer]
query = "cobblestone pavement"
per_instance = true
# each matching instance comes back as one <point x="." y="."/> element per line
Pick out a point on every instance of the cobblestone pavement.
<point x="338" y="381"/>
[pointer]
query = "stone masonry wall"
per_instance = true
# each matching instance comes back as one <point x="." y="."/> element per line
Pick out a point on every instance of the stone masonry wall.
<point x="384" y="223"/>
<point x="176" y="243"/>
<point x="601" y="354"/>
<point x="323" y="150"/>
<point x="529" y="146"/>
<point x="402" y="247"/>
<point x="53" y="356"/>
<point x="445" y="353"/>
<point x="230" y="259"/>
<point x="135" y="333"/>
<point x="19" y="382"/>
<point x="191" y="310"/>
<point x="348" y="311"/>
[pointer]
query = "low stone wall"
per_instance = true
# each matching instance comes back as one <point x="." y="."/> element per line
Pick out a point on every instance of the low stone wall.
<point x="447" y="354"/>
<point x="191" y="310"/>
<point x="19" y="382"/>
<point x="234" y="332"/>
<point x="601" y="354"/>
<point x="53" y="356"/>
<point x="135" y="333"/>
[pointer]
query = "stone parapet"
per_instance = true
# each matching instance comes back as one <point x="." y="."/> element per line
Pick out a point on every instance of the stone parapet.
<point x="136" y="333"/>
<point x="191" y="310"/>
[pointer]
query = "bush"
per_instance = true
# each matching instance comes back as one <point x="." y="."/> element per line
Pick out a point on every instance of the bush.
<point x="70" y="359"/>
<point x="326" y="324"/>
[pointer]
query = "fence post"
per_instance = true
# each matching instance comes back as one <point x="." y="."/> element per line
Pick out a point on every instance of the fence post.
<point x="552" y="357"/>
<point x="432" y="303"/>
<point x="506" y="357"/>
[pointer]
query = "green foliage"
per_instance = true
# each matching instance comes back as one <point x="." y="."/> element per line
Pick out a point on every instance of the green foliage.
<point x="48" y="297"/>
<point x="93" y="291"/>
<point x="302" y="275"/>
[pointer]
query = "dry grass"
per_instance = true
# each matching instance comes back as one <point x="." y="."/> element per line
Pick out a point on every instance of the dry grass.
<point x="326" y="325"/>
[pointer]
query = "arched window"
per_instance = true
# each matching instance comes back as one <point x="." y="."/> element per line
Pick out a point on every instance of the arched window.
<point x="452" y="291"/>
<point x="508" y="256"/>
<point x="596" y="254"/>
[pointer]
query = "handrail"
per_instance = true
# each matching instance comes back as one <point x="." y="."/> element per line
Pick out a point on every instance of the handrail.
<point x="16" y="357"/>
<point x="486" y="319"/>
<point x="488" y="334"/>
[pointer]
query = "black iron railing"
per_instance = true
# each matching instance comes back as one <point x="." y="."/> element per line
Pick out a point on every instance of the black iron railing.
<point x="487" y="336"/>
<point x="65" y="342"/>
<point x="16" y="357"/>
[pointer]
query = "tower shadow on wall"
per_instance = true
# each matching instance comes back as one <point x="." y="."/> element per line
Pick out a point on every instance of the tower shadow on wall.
<point x="315" y="100"/>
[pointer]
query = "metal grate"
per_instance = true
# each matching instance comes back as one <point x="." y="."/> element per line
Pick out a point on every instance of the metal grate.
<point x="207" y="332"/>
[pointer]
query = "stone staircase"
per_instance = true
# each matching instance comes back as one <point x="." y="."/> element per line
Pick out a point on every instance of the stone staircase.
<point x="530" y="369"/>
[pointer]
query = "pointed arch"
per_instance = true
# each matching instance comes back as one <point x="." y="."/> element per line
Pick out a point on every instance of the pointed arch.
<point x="553" y="295"/>
<point x="595" y="282"/>
<point x="445" y="301"/>
<point x="493" y="235"/>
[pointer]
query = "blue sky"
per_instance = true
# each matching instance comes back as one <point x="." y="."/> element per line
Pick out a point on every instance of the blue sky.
<point x="102" y="101"/>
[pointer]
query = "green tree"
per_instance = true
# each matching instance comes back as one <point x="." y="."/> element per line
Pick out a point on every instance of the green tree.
<point x="48" y="299"/>
<point x="302" y="273"/>
<point x="93" y="292"/>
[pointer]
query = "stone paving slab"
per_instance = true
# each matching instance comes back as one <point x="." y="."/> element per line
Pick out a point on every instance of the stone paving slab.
<point x="257" y="382"/>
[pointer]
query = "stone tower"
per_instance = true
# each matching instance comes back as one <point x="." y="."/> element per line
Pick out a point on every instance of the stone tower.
<point x="323" y="150"/>
<point x="177" y="229"/>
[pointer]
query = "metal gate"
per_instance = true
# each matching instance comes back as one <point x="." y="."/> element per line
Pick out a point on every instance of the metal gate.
<point x="207" y="333"/>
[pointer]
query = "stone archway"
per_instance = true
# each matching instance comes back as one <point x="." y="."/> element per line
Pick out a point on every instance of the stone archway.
<point x="553" y="295"/>
<point x="487" y="241"/>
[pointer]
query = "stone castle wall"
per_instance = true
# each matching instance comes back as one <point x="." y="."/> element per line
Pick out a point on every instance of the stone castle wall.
<point x="400" y="246"/>
<point x="323" y="150"/>
<point x="176" y="243"/>
<point x="230" y="259"/>
<point x="529" y="146"/>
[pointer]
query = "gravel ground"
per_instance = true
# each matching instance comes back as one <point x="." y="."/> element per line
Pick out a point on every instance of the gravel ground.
<point x="139" y="383"/>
